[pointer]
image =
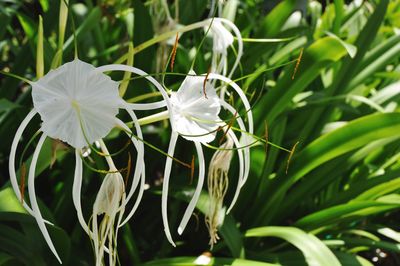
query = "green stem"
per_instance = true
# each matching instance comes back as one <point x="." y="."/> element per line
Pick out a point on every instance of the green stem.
<point x="168" y="35"/>
<point x="144" y="97"/>
<point x="153" y="118"/>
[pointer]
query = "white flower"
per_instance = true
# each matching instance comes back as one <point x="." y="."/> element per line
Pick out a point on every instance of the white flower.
<point x="222" y="38"/>
<point x="76" y="96"/>
<point x="196" y="107"/>
<point x="219" y="29"/>
<point x="78" y="104"/>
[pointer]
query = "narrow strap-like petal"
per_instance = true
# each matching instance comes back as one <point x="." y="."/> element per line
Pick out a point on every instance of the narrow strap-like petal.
<point x="241" y="170"/>
<point x="239" y="40"/>
<point x="196" y="195"/>
<point x="11" y="164"/>
<point x="32" y="195"/>
<point x="139" y="173"/>
<point x="246" y="148"/>
<point x="76" y="192"/>
<point x="164" y="196"/>
<point x="147" y="106"/>
<point x="242" y="96"/>
<point x="118" y="67"/>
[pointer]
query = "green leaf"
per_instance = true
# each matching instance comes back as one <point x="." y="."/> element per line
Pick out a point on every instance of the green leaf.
<point x="39" y="51"/>
<point x="274" y="21"/>
<point x="354" y="135"/>
<point x="27" y="24"/>
<point x="229" y="232"/>
<point x="44" y="4"/>
<point x="360" y="242"/>
<point x="91" y="20"/>
<point x="313" y="249"/>
<point x="190" y="261"/>
<point x="337" y="213"/>
<point x="9" y="202"/>
<point x="6" y="105"/>
<point x="316" y="57"/>
<point x="5" y="259"/>
<point x="380" y="190"/>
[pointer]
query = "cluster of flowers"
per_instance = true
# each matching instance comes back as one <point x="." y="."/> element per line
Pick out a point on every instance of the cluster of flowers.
<point x="78" y="104"/>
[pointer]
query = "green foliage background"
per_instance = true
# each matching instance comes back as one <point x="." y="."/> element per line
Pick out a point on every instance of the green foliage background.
<point x="338" y="201"/>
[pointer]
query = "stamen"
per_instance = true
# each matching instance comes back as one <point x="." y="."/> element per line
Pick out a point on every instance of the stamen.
<point x="23" y="175"/>
<point x="174" y="49"/>
<point x="192" y="170"/>
<point x="228" y="128"/>
<point x="298" y="62"/>
<point x="205" y="82"/>
<point x="128" y="171"/>
<point x="290" y="155"/>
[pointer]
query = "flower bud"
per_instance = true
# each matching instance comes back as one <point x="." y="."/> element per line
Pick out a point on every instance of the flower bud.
<point x="217" y="186"/>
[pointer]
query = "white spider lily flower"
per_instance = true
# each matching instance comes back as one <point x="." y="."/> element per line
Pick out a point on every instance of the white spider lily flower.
<point x="219" y="29"/>
<point x="222" y="38"/>
<point x="75" y="96"/>
<point x="196" y="108"/>
<point x="78" y="104"/>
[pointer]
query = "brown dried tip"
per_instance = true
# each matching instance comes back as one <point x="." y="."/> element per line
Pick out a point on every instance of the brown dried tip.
<point x="290" y="156"/>
<point x="56" y="145"/>
<point x="205" y="82"/>
<point x="192" y="170"/>
<point x="229" y="127"/>
<point x="23" y="176"/>
<point x="298" y="63"/>
<point x="174" y="49"/>
<point x="128" y="169"/>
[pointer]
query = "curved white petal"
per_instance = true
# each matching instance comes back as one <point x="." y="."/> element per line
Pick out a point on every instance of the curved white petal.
<point x="147" y="106"/>
<point x="164" y="196"/>
<point x="242" y="166"/>
<point x="222" y="38"/>
<point x="77" y="104"/>
<point x="11" y="163"/>
<point x="140" y="166"/>
<point x="246" y="148"/>
<point x="242" y="96"/>
<point x="239" y="40"/>
<point x="196" y="195"/>
<point x="118" y="67"/>
<point x="32" y="195"/>
<point x="76" y="192"/>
